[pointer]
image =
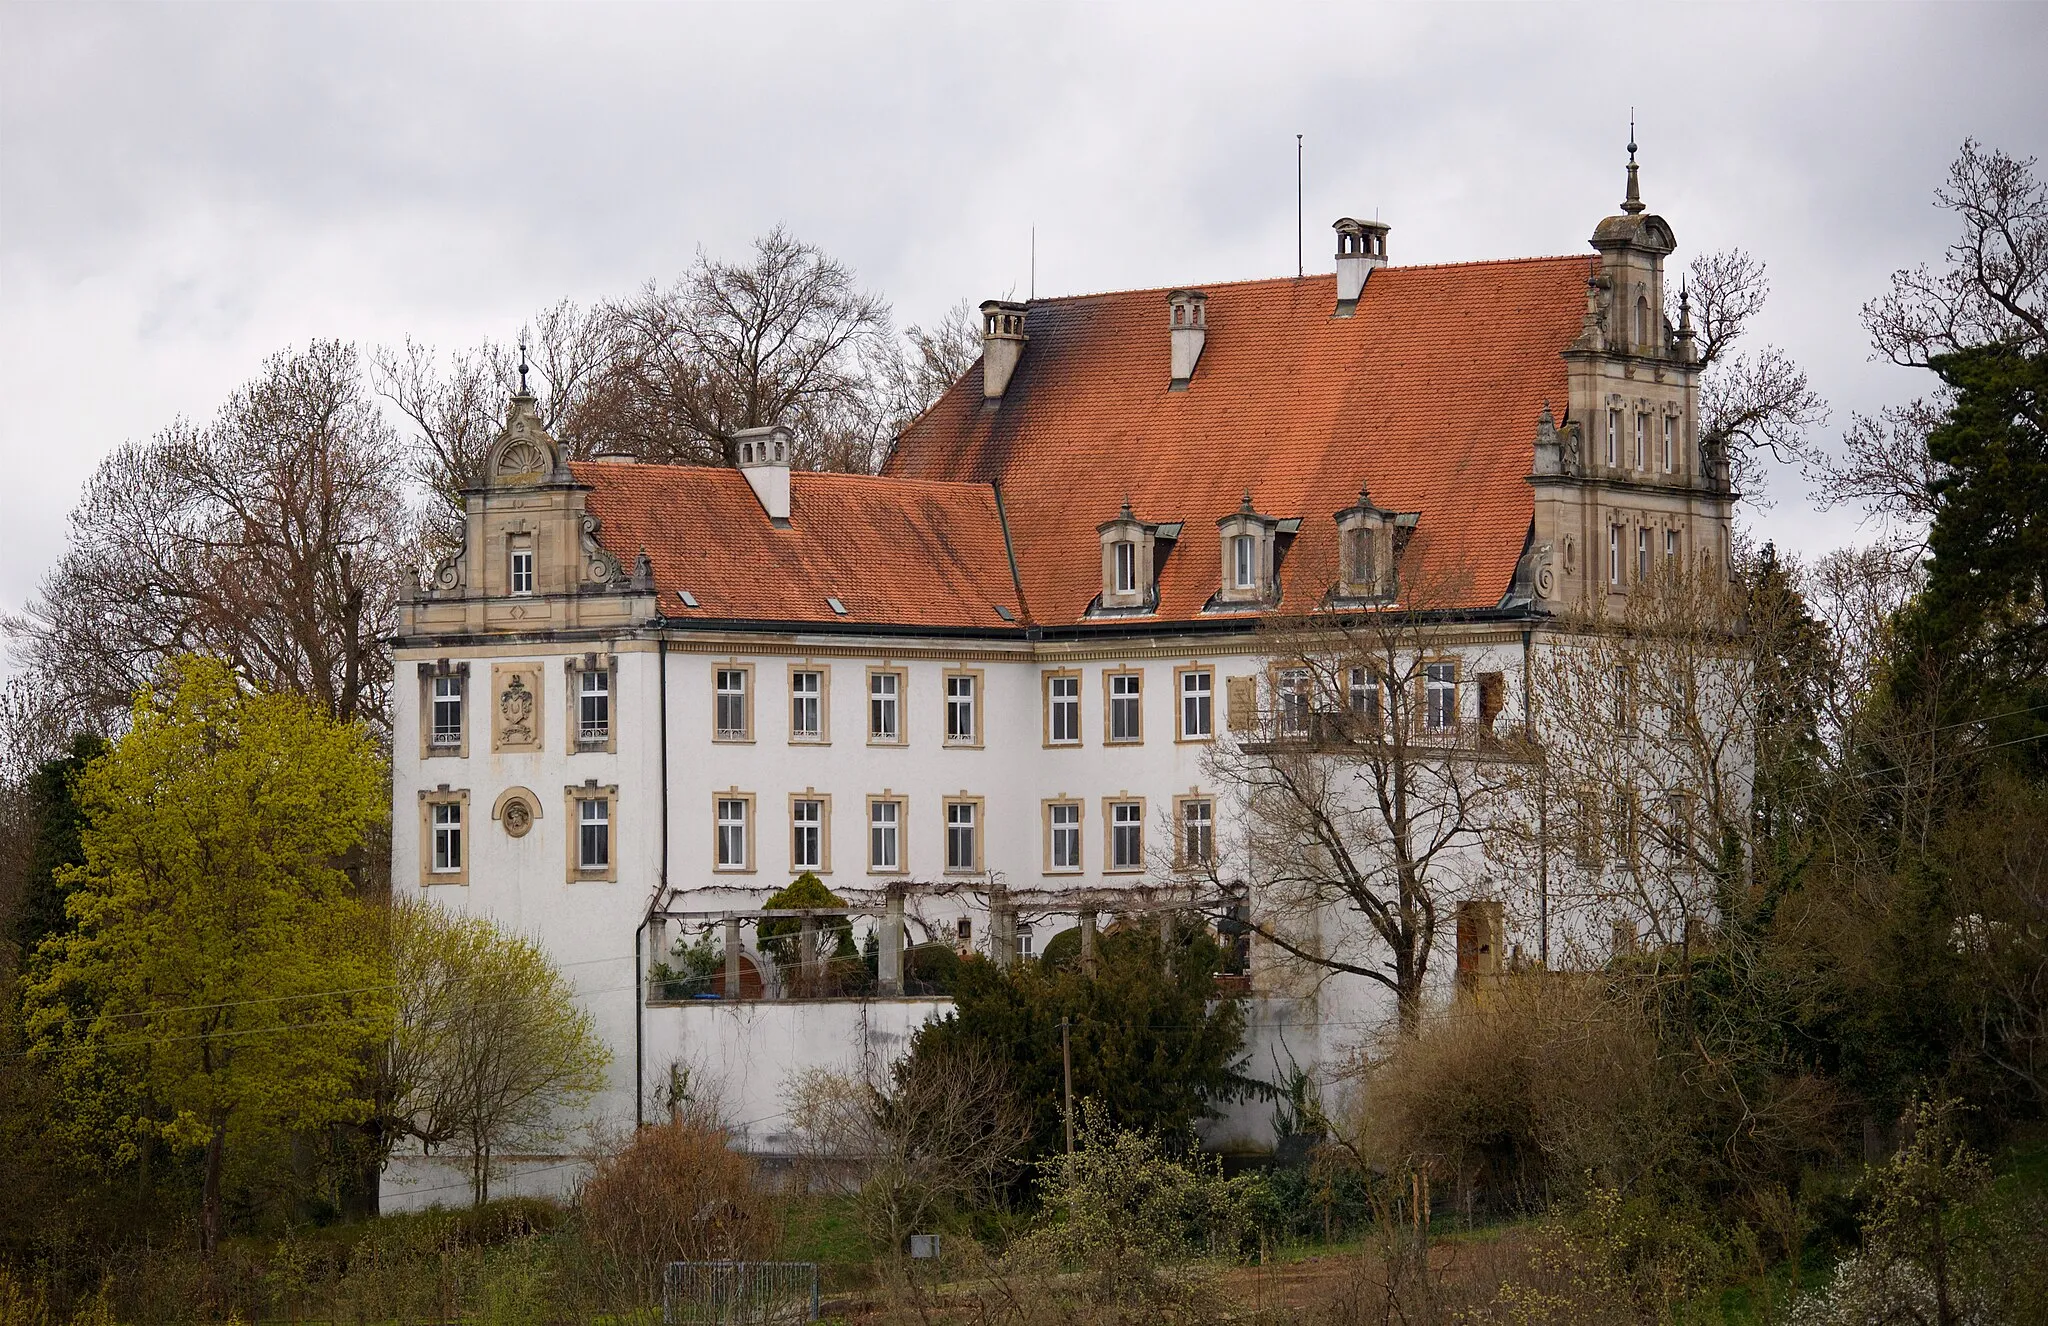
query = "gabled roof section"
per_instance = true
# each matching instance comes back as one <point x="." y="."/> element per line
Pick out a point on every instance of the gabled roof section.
<point x="1428" y="395"/>
<point x="895" y="552"/>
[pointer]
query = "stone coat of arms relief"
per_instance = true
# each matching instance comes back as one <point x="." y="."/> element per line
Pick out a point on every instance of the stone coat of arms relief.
<point x="515" y="707"/>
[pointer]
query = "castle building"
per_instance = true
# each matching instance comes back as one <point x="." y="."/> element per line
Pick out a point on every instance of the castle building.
<point x="643" y="698"/>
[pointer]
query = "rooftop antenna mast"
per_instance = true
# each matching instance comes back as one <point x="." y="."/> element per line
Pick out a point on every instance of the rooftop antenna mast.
<point x="1299" y="266"/>
<point x="1034" y="265"/>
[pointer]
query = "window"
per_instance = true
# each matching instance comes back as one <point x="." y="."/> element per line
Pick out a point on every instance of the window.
<point x="1642" y="553"/>
<point x="731" y="711"/>
<point x="806" y="833"/>
<point x="885" y="707"/>
<point x="1363" y="563"/>
<point x="1440" y="696"/>
<point x="1062" y="709"/>
<point x="1126" y="835"/>
<point x="1624" y="700"/>
<point x="1125" y="716"/>
<point x="1063" y="835"/>
<point x="1244" y="561"/>
<point x="1291" y="690"/>
<point x="960" y="720"/>
<point x="1366" y="707"/>
<point x="1126" y="567"/>
<point x="1614" y="554"/>
<point x="806" y="705"/>
<point x="522" y="570"/>
<point x="1024" y="937"/>
<point x="1197" y="831"/>
<point x="885" y="835"/>
<point x="1670" y="449"/>
<point x="1625" y="826"/>
<point x="1671" y="551"/>
<point x="1642" y="440"/>
<point x="732" y="833"/>
<point x="594" y="706"/>
<point x="447" y="717"/>
<point x="963" y="843"/>
<point x="963" y="931"/>
<point x="1614" y="437"/>
<point x="447" y="837"/>
<point x="593" y="833"/>
<point x="1197" y="704"/>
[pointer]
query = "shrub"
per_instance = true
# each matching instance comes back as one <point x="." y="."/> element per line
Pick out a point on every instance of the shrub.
<point x="676" y="1192"/>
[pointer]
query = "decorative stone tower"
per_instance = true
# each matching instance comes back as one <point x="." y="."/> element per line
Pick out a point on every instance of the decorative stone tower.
<point x="1623" y="492"/>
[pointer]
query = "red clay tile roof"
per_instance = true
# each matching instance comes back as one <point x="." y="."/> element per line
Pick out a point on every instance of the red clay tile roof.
<point x="901" y="552"/>
<point x="1429" y="395"/>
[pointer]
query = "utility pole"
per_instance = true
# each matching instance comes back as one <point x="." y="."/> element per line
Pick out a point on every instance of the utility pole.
<point x="1067" y="1075"/>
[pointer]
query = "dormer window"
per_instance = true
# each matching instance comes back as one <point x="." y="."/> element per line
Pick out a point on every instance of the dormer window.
<point x="1131" y="554"/>
<point x="1244" y="562"/>
<point x="1370" y="541"/>
<point x="1250" y="555"/>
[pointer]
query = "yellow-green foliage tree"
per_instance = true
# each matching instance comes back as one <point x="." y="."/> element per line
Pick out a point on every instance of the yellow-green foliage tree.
<point x="222" y="980"/>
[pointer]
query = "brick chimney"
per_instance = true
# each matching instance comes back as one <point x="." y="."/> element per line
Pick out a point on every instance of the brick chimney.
<point x="1361" y="246"/>
<point x="1002" y="345"/>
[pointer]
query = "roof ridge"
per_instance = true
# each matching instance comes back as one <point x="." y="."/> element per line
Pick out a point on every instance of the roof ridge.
<point x="608" y="469"/>
<point x="1312" y="276"/>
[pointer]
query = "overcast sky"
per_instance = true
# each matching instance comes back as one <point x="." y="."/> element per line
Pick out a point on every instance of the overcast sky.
<point x="186" y="188"/>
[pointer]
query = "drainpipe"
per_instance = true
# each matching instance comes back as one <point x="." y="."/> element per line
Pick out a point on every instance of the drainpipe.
<point x="1542" y="812"/>
<point x="660" y="892"/>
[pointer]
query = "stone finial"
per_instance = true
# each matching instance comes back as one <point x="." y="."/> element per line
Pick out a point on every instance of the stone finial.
<point x="1634" y="202"/>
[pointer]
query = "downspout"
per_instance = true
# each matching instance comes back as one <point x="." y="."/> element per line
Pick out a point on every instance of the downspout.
<point x="660" y="892"/>
<point x="1542" y="811"/>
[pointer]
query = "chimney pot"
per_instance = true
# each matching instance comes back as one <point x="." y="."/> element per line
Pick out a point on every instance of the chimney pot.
<point x="1361" y="246"/>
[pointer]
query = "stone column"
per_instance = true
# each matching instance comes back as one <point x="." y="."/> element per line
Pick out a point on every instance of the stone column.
<point x="1166" y="937"/>
<point x="889" y="963"/>
<point x="732" y="958"/>
<point x="1002" y="933"/>
<point x="807" y="955"/>
<point x="1087" y="943"/>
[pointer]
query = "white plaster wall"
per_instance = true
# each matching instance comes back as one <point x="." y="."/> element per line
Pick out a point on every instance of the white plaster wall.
<point x="589" y="928"/>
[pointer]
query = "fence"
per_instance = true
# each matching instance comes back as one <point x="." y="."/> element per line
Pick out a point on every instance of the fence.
<point x="739" y="1293"/>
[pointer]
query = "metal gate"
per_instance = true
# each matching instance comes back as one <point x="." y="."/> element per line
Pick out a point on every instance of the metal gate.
<point x="739" y="1293"/>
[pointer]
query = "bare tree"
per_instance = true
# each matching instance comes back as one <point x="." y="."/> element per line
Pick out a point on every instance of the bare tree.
<point x="1993" y="289"/>
<point x="788" y="337"/>
<point x="1366" y="786"/>
<point x="1751" y="405"/>
<point x="934" y="360"/>
<point x="457" y="413"/>
<point x="274" y="537"/>
<point x="937" y="1132"/>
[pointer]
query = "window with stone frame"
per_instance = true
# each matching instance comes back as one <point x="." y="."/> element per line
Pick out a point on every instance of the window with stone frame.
<point x="806" y="833"/>
<point x="963" y="834"/>
<point x="1366" y="702"/>
<point x="963" y="717"/>
<point x="885" y="706"/>
<point x="732" y="699"/>
<point x="593" y="833"/>
<point x="1062" y="708"/>
<point x="733" y="824"/>
<point x="447" y="698"/>
<point x="1293" y="697"/>
<point x="807" y="704"/>
<point x="1197" y="831"/>
<point x="885" y="835"/>
<point x="1126" y="835"/>
<point x="1440" y="696"/>
<point x="447" y="849"/>
<point x="594" y="706"/>
<point x="1197" y="704"/>
<point x="1126" y="566"/>
<point x="1126" y="707"/>
<point x="1062" y="836"/>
